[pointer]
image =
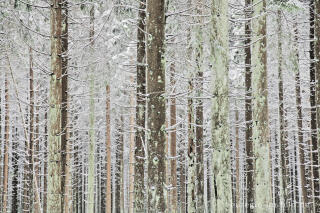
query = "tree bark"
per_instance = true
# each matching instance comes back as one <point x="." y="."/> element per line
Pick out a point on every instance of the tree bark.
<point x="222" y="196"/>
<point x="317" y="102"/>
<point x="248" y="110"/>
<point x="283" y="125"/>
<point x="6" y="146"/>
<point x="131" y="152"/>
<point x="262" y="186"/>
<point x="91" y="167"/>
<point x="301" y="143"/>
<point x="140" y="110"/>
<point x="173" y="141"/>
<point x="156" y="106"/>
<point x="55" y="193"/>
<point x="313" y="122"/>
<point x="15" y="159"/>
<point x="199" y="110"/>
<point x="191" y="184"/>
<point x="108" y="152"/>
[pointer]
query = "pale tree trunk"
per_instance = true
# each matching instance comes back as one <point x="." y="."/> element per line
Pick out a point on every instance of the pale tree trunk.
<point x="183" y="198"/>
<point x="222" y="196"/>
<point x="140" y="110"/>
<point x="301" y="143"/>
<point x="199" y="111"/>
<point x="173" y="141"/>
<point x="91" y="166"/>
<point x="248" y="108"/>
<point x="27" y="194"/>
<point x="131" y="152"/>
<point x="108" y="152"/>
<point x="262" y="187"/>
<point x="237" y="190"/>
<point x="317" y="87"/>
<point x="45" y="168"/>
<point x="36" y="162"/>
<point x="6" y="146"/>
<point x="283" y="125"/>
<point x="119" y="169"/>
<point x="156" y="106"/>
<point x="168" y="174"/>
<point x="55" y="193"/>
<point x="191" y="184"/>
<point x="313" y="122"/>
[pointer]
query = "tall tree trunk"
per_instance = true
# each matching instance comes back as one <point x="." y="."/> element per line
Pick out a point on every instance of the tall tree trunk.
<point x="283" y="125"/>
<point x="140" y="110"/>
<point x="191" y="184"/>
<point x="260" y="129"/>
<point x="183" y="198"/>
<point x="156" y="106"/>
<point x="173" y="141"/>
<point x="36" y="162"/>
<point x="108" y="152"/>
<point x="91" y="167"/>
<point x="15" y="160"/>
<point x="55" y="193"/>
<point x="131" y="152"/>
<point x="1" y="112"/>
<point x="199" y="111"/>
<point x="64" y="111"/>
<point x="119" y="170"/>
<point x="317" y="102"/>
<point x="248" y="107"/>
<point x="313" y="122"/>
<point x="6" y="146"/>
<point x="222" y="196"/>
<point x="45" y="170"/>
<point x="301" y="143"/>
<point x="237" y="190"/>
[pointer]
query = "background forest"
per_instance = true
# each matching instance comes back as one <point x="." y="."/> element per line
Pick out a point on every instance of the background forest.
<point x="159" y="106"/>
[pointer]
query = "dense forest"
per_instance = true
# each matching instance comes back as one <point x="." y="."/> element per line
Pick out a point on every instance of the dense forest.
<point x="160" y="106"/>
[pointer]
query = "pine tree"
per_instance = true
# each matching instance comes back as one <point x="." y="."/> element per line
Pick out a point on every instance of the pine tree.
<point x="140" y="109"/>
<point x="222" y="196"/>
<point x="55" y="193"/>
<point x="260" y="129"/>
<point x="156" y="106"/>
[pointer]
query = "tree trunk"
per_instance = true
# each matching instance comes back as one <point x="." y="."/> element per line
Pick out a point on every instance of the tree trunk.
<point x="183" y="198"/>
<point x="173" y="141"/>
<point x="119" y="170"/>
<point x="55" y="193"/>
<point x="301" y="142"/>
<point x="15" y="160"/>
<point x="131" y="152"/>
<point x="191" y="184"/>
<point x="140" y="110"/>
<point x="199" y="111"/>
<point x="91" y="167"/>
<point x="6" y="147"/>
<point x="64" y="112"/>
<point x="248" y="107"/>
<point x="156" y="106"/>
<point x="283" y="125"/>
<point x="317" y="102"/>
<point x="108" y="152"/>
<point x="222" y="196"/>
<point x="313" y="122"/>
<point x="237" y="190"/>
<point x="45" y="170"/>
<point x="262" y="187"/>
